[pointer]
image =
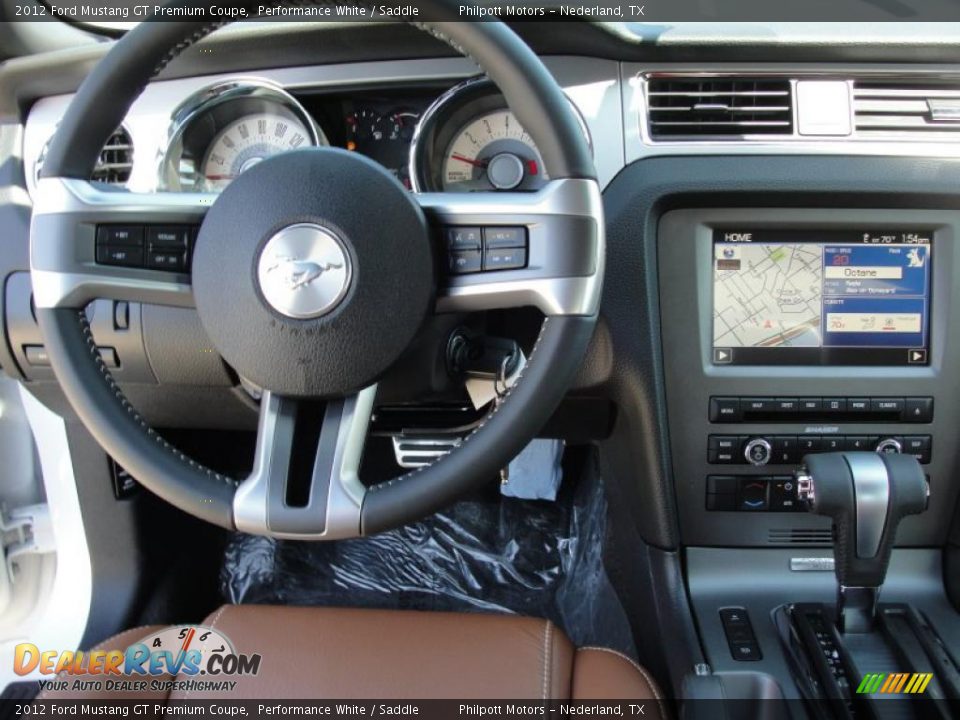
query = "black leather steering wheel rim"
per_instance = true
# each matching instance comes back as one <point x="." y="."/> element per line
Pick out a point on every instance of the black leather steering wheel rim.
<point x="99" y="106"/>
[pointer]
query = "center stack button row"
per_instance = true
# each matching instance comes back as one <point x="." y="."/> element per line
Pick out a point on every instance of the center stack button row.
<point x="790" y="449"/>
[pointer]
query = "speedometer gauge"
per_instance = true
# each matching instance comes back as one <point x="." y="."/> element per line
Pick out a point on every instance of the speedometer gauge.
<point x="245" y="142"/>
<point x="493" y="152"/>
<point x="224" y="129"/>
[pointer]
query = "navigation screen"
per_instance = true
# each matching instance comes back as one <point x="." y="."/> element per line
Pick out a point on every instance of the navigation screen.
<point x="834" y="297"/>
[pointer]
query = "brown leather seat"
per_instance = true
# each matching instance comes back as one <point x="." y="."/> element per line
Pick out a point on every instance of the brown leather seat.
<point x="373" y="654"/>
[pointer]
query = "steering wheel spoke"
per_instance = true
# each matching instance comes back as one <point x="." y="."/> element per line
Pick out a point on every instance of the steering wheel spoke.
<point x="305" y="482"/>
<point x="561" y="248"/>
<point x="67" y="269"/>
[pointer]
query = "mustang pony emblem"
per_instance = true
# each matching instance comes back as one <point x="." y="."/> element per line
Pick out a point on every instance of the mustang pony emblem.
<point x="297" y="274"/>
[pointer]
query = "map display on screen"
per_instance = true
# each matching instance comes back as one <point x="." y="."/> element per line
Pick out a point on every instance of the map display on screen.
<point x="821" y="297"/>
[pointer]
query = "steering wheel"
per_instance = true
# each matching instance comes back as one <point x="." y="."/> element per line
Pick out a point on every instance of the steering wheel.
<point x="371" y="247"/>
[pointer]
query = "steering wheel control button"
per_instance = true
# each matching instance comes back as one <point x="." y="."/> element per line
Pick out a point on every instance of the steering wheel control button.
<point x="504" y="259"/>
<point x="304" y="271"/>
<point x="173" y="237"/>
<point x="154" y="247"/>
<point x="496" y="238"/>
<point x="175" y="261"/>
<point x="464" y="238"/>
<point x="125" y="235"/>
<point x="758" y="452"/>
<point x="121" y="255"/>
<point x="488" y="249"/>
<point x="463" y="262"/>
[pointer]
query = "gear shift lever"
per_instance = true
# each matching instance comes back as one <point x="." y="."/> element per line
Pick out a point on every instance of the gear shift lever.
<point x="866" y="495"/>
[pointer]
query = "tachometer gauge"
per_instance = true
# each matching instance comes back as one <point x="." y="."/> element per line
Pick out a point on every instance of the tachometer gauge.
<point x="468" y="140"/>
<point x="492" y="152"/>
<point x="245" y="142"/>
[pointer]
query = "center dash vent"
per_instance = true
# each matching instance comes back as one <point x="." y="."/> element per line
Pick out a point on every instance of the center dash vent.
<point x="800" y="536"/>
<point x="720" y="107"/>
<point x="114" y="164"/>
<point x="927" y="110"/>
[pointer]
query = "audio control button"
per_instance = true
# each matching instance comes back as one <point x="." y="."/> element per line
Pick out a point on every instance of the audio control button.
<point x="890" y="446"/>
<point x="918" y="410"/>
<point x="723" y="449"/>
<point x="920" y="446"/>
<point x="758" y="451"/>
<point x="831" y="443"/>
<point x="784" y="450"/>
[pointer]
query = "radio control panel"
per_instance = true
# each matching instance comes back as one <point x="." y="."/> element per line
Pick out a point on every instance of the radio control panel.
<point x="825" y="409"/>
<point x="760" y="450"/>
<point x="771" y="353"/>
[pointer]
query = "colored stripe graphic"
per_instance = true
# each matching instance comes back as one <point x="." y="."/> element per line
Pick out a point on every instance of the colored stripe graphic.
<point x="894" y="683"/>
<point x="903" y="681"/>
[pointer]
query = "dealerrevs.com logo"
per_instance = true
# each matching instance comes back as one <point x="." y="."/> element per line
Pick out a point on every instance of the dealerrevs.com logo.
<point x="186" y="653"/>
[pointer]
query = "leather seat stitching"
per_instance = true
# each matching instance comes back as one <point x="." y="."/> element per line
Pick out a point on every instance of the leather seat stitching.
<point x="639" y="668"/>
<point x="545" y="685"/>
<point x="213" y="626"/>
<point x="99" y="646"/>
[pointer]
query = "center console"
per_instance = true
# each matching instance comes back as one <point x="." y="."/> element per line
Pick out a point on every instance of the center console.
<point x="787" y="334"/>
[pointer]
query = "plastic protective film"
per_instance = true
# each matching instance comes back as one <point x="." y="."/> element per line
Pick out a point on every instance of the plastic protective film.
<point x="487" y="554"/>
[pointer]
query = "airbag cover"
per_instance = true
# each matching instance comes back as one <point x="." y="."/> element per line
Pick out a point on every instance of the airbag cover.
<point x="371" y="242"/>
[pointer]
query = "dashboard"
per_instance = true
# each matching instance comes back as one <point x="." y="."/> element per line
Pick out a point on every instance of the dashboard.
<point x="432" y="138"/>
<point x="767" y="292"/>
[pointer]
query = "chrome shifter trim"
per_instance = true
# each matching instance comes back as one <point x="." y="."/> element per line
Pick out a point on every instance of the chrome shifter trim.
<point x="871" y="487"/>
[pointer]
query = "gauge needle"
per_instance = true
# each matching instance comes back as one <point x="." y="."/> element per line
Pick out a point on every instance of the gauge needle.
<point x="469" y="161"/>
<point x="219" y="177"/>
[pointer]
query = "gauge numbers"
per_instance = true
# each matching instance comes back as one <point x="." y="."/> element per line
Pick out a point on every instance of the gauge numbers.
<point x="245" y="142"/>
<point x="493" y="152"/>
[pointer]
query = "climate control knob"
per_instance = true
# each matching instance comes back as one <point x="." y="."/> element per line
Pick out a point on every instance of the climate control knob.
<point x="889" y="446"/>
<point x="758" y="451"/>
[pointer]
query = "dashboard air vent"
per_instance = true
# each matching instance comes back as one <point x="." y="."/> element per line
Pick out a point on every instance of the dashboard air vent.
<point x="116" y="159"/>
<point x="723" y="107"/>
<point x="799" y="536"/>
<point x="114" y="164"/>
<point x="928" y="110"/>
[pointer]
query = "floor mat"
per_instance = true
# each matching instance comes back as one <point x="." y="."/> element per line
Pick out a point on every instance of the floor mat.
<point x="485" y="554"/>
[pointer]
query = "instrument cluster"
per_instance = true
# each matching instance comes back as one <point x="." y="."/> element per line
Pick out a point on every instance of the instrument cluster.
<point x="433" y="139"/>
